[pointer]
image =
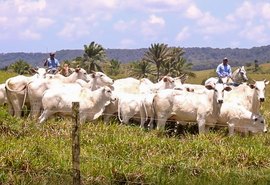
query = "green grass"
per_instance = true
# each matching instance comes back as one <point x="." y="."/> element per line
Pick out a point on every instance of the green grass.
<point x="121" y="154"/>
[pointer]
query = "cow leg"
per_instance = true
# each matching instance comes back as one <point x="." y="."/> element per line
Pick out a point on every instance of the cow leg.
<point x="231" y="129"/>
<point x="161" y="123"/>
<point x="201" y="126"/>
<point x="17" y="105"/>
<point x="207" y="128"/>
<point x="35" y="110"/>
<point x="45" y="115"/>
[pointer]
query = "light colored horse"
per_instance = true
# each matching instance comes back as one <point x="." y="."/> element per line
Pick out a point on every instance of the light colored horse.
<point x="238" y="76"/>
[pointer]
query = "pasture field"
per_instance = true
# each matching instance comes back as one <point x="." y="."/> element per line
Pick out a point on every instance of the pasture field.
<point x="125" y="154"/>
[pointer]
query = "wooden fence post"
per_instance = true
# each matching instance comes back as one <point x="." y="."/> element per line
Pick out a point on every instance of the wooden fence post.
<point x="76" y="144"/>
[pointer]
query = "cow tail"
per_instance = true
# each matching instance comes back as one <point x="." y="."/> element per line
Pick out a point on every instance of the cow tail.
<point x="119" y="111"/>
<point x="25" y="95"/>
<point x="145" y="110"/>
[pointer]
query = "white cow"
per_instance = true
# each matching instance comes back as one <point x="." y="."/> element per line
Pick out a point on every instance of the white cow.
<point x="3" y="94"/>
<point x="185" y="106"/>
<point x="238" y="118"/>
<point x="36" y="88"/>
<point x="134" y="86"/>
<point x="92" y="103"/>
<point x="16" y="90"/>
<point x="248" y="95"/>
<point x="131" y="106"/>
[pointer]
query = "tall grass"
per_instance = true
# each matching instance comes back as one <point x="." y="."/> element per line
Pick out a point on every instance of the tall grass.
<point x="125" y="154"/>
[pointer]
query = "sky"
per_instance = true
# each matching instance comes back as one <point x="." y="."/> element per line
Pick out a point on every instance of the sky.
<point x="53" y="25"/>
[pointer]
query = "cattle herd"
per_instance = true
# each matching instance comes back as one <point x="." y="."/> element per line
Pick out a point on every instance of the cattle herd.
<point x="215" y="103"/>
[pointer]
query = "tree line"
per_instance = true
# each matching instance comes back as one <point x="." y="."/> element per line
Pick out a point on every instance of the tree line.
<point x="159" y="60"/>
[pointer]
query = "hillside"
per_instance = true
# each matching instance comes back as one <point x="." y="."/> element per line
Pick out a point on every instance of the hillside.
<point x="202" y="58"/>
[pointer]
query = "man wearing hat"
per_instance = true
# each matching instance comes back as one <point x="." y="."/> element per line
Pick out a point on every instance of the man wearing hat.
<point x="52" y="63"/>
<point x="224" y="69"/>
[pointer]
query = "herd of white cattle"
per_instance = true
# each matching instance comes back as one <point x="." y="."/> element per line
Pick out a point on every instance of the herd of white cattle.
<point x="215" y="103"/>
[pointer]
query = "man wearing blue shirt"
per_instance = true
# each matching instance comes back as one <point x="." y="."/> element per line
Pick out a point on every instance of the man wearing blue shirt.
<point x="52" y="63"/>
<point x="224" y="69"/>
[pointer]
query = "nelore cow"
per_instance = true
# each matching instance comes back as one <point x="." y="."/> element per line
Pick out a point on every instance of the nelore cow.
<point x="16" y="90"/>
<point x="139" y="88"/>
<point x="92" y="103"/>
<point x="36" y="88"/>
<point x="3" y="94"/>
<point x="239" y="119"/>
<point x="184" y="106"/>
<point x="251" y="96"/>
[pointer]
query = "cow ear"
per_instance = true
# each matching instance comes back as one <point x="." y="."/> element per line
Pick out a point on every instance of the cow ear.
<point x="165" y="79"/>
<point x="209" y="86"/>
<point x="93" y="75"/>
<point x="252" y="86"/>
<point x="111" y="87"/>
<point x="266" y="82"/>
<point x="32" y="71"/>
<point x="77" y="69"/>
<point x="227" y="88"/>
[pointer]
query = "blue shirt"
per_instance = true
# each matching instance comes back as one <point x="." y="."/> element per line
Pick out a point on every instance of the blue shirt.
<point x="53" y="63"/>
<point x="224" y="70"/>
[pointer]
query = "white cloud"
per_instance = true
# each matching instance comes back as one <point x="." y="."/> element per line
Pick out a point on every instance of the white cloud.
<point x="265" y="9"/>
<point x="74" y="29"/>
<point x="124" y="25"/>
<point x="184" y="34"/>
<point x="30" y="34"/>
<point x="43" y="22"/>
<point x="127" y="43"/>
<point x="152" y="27"/>
<point x="29" y="6"/>
<point x="153" y="19"/>
<point x="193" y="12"/>
<point x="256" y="34"/>
<point x="154" y="6"/>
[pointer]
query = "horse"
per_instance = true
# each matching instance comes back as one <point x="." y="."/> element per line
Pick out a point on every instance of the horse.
<point x="238" y="77"/>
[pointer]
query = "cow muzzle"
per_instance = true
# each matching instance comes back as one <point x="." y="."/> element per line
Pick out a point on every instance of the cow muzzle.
<point x="261" y="99"/>
<point x="220" y="101"/>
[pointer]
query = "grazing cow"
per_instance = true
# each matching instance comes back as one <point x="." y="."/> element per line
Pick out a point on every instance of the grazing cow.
<point x="3" y="94"/>
<point x="16" y="90"/>
<point x="37" y="87"/>
<point x="240" y="119"/>
<point x="238" y="77"/>
<point x="248" y="95"/>
<point x="92" y="103"/>
<point x="185" y="106"/>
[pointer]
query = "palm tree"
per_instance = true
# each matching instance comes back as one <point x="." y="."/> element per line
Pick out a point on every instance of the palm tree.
<point x="168" y="67"/>
<point x="157" y="54"/>
<point x="141" y="69"/>
<point x="20" y="67"/>
<point x="183" y="68"/>
<point x="177" y="65"/>
<point x="114" y="67"/>
<point x="93" y="54"/>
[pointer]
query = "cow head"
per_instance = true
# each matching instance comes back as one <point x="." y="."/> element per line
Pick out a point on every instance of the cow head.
<point x="101" y="79"/>
<point x="82" y="74"/>
<point x="219" y="89"/>
<point x="258" y="125"/>
<point x="39" y="72"/>
<point x="243" y="73"/>
<point x="259" y="87"/>
<point x="166" y="82"/>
